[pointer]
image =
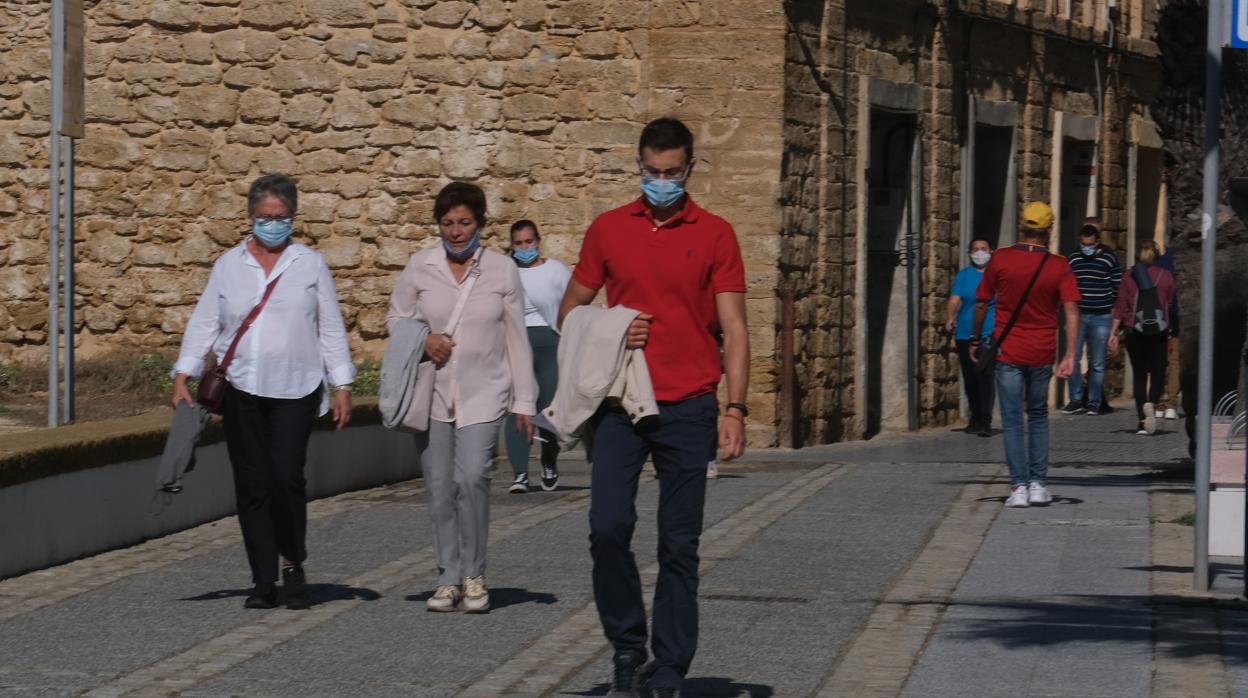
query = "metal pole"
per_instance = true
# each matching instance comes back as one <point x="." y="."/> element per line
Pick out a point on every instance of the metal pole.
<point x="1209" y="244"/>
<point x="54" y="207"/>
<point x="68" y="244"/>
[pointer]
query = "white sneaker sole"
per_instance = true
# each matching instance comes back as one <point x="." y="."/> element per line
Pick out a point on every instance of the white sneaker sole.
<point x="468" y="606"/>
<point x="552" y="487"/>
<point x="440" y="609"/>
<point x="1017" y="505"/>
<point x="518" y="489"/>
<point x="1150" y="419"/>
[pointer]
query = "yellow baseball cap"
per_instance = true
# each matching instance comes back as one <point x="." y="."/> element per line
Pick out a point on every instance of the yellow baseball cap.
<point x="1038" y="215"/>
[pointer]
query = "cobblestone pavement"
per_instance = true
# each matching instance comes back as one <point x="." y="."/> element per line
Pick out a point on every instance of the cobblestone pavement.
<point x="874" y="568"/>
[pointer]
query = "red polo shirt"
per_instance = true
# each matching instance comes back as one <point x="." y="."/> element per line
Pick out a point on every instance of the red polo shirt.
<point x="1033" y="341"/>
<point x="672" y="272"/>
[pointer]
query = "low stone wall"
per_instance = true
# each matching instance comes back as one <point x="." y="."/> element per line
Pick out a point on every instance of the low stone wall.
<point x="53" y="509"/>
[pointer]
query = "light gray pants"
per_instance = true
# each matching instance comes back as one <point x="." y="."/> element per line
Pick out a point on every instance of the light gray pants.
<point x="456" y="468"/>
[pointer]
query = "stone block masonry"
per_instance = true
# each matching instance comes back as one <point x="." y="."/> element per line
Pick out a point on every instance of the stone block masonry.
<point x="373" y="105"/>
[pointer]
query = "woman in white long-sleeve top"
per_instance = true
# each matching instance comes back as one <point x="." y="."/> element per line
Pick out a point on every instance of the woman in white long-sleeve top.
<point x="485" y="371"/>
<point x="277" y="379"/>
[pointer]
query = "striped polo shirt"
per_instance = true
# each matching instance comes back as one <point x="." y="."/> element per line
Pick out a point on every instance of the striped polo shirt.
<point x="1098" y="276"/>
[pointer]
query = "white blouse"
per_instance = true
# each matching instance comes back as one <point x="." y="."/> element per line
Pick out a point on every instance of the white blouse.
<point x="490" y="371"/>
<point x="544" y="286"/>
<point x="298" y="340"/>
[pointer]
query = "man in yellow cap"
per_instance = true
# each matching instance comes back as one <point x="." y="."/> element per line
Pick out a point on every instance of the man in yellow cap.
<point x="1030" y="286"/>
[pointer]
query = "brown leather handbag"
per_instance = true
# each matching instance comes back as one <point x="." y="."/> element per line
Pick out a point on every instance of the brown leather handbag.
<point x="212" y="386"/>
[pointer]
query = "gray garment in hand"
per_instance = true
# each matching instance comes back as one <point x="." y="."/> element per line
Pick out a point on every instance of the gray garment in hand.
<point x="456" y="468"/>
<point x="404" y="350"/>
<point x="178" y="458"/>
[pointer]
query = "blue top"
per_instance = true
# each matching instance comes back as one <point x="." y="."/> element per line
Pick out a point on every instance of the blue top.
<point x="964" y="286"/>
<point x="1099" y="277"/>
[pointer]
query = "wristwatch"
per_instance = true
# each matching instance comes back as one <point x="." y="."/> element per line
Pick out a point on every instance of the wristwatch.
<point x="345" y="387"/>
<point x="745" y="411"/>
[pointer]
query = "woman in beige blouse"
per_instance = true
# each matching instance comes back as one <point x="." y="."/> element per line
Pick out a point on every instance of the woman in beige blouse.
<point x="485" y="371"/>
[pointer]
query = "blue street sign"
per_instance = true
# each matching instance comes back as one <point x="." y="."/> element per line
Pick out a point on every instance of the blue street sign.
<point x="1239" y="24"/>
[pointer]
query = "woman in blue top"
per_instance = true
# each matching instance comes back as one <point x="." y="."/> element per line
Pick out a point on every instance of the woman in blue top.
<point x="979" y="390"/>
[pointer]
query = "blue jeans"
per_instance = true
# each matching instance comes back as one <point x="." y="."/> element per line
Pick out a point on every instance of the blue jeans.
<point x="1094" y="331"/>
<point x="1018" y="386"/>
<point x="678" y="443"/>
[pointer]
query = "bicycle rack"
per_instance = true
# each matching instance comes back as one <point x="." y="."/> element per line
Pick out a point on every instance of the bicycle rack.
<point x="1226" y="406"/>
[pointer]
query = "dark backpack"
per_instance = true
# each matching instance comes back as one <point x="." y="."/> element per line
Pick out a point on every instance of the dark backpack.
<point x="1150" y="317"/>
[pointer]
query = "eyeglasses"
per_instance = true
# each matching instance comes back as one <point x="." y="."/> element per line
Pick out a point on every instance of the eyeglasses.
<point x="672" y="173"/>
<point x="270" y="221"/>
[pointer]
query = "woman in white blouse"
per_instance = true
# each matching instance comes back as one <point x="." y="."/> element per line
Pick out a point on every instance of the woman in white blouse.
<point x="485" y="371"/>
<point x="544" y="282"/>
<point x="276" y="379"/>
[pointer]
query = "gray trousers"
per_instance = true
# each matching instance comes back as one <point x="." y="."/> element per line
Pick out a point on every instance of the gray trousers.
<point x="456" y="467"/>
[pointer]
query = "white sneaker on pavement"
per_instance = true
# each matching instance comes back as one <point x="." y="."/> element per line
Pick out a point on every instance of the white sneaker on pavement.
<point x="476" y="596"/>
<point x="520" y="485"/>
<point x="1038" y="495"/>
<point x="1018" y="497"/>
<point x="1172" y="414"/>
<point x="444" y="599"/>
<point x="1150" y="419"/>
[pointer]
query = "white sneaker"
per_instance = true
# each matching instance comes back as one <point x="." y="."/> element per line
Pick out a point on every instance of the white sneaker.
<point x="476" y="596"/>
<point x="1172" y="414"/>
<point x="1161" y="414"/>
<point x="1018" y="497"/>
<point x="712" y="470"/>
<point x="1038" y="495"/>
<point x="444" y="599"/>
<point x="1150" y="419"/>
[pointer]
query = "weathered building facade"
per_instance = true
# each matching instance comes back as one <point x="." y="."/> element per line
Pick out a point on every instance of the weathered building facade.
<point x="854" y="145"/>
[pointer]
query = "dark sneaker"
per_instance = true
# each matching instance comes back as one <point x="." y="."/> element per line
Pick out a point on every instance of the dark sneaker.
<point x="1094" y="411"/>
<point x="1105" y="408"/>
<point x="550" y="477"/>
<point x="520" y="485"/>
<point x="627" y="673"/>
<point x="985" y="429"/>
<point x="294" y="587"/>
<point x="262" y="597"/>
<point x="1073" y="407"/>
<point x="664" y="693"/>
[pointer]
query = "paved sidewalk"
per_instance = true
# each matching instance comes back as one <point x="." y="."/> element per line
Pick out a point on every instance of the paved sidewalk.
<point x="875" y="568"/>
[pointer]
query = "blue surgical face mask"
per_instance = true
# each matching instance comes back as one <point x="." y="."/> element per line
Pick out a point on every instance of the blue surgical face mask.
<point x="662" y="193"/>
<point x="271" y="232"/>
<point x="1088" y="250"/>
<point x="469" y="249"/>
<point x="526" y="256"/>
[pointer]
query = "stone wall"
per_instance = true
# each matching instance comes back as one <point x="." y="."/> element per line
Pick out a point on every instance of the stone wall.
<point x="987" y="49"/>
<point x="373" y="105"/>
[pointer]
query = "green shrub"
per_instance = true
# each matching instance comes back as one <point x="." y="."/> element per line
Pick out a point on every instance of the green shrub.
<point x="367" y="377"/>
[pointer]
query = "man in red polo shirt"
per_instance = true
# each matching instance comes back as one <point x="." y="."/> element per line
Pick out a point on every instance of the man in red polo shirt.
<point x="681" y="267"/>
<point x="1025" y="356"/>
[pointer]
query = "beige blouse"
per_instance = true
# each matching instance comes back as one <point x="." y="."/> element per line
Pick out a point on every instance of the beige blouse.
<point x="490" y="372"/>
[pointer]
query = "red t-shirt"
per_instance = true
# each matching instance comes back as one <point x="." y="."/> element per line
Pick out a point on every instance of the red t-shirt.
<point x="673" y="273"/>
<point x="1033" y="341"/>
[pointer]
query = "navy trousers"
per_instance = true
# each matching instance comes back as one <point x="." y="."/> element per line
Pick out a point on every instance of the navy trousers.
<point x="678" y="442"/>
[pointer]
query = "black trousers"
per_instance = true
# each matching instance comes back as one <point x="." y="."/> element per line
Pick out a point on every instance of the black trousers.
<point x="980" y="391"/>
<point x="677" y="441"/>
<point x="1148" y="367"/>
<point x="267" y="439"/>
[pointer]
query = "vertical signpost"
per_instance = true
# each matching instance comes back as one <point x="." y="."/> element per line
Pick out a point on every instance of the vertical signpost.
<point x="68" y="116"/>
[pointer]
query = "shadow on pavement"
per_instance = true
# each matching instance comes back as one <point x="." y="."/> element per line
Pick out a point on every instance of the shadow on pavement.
<point x="501" y="597"/>
<point x="708" y="687"/>
<point x="317" y="594"/>
<point x="1106" y="619"/>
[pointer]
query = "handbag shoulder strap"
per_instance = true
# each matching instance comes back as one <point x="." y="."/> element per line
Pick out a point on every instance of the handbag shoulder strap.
<point x="474" y="272"/>
<point x="247" y="323"/>
<point x="1022" y="301"/>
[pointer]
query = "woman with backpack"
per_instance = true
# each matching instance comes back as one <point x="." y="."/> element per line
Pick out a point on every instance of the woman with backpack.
<point x="1146" y="298"/>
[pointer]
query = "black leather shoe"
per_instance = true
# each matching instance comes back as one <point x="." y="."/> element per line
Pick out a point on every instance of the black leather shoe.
<point x="262" y="598"/>
<point x="294" y="587"/>
<point x="628" y="667"/>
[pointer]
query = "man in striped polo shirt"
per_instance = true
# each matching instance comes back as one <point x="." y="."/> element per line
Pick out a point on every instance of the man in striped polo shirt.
<point x="1098" y="274"/>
